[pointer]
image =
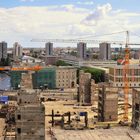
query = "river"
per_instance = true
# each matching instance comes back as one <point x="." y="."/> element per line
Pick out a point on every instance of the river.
<point x="4" y="82"/>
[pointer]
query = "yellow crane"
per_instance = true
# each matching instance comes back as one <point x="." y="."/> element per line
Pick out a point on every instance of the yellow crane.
<point x="126" y="60"/>
<point x="126" y="78"/>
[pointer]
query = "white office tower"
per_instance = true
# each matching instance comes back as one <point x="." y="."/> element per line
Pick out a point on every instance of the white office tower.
<point x="17" y="50"/>
<point x="105" y="51"/>
<point x="49" y="49"/>
<point x="81" y="50"/>
<point x="3" y="50"/>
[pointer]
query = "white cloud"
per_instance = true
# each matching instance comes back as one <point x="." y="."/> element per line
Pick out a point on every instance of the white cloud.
<point x="66" y="21"/>
<point x="85" y="2"/>
<point x="100" y="13"/>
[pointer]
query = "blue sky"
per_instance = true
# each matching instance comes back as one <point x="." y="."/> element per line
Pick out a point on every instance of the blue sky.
<point x="22" y="20"/>
<point x="131" y="5"/>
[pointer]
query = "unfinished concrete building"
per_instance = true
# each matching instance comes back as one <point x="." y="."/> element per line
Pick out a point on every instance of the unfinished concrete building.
<point x="26" y="80"/>
<point x="107" y="104"/>
<point x="84" y="87"/>
<point x="136" y="109"/>
<point x="94" y="92"/>
<point x="30" y="117"/>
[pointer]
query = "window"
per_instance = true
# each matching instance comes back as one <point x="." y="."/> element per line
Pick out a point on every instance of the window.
<point x="19" y="117"/>
<point x="134" y="84"/>
<point x="20" y="101"/>
<point x="18" y="130"/>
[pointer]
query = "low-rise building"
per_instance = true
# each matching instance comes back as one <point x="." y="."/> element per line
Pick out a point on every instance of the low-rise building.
<point x="45" y="78"/>
<point x="116" y="76"/>
<point x="66" y="77"/>
<point x="51" y="60"/>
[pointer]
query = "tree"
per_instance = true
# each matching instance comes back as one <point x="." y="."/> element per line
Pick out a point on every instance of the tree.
<point x="96" y="74"/>
<point x="62" y="63"/>
<point x="5" y="62"/>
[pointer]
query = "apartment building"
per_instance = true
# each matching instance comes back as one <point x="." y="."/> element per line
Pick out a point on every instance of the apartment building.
<point x="17" y="50"/>
<point x="81" y="50"/>
<point x="3" y="50"/>
<point x="66" y="77"/>
<point x="49" y="49"/>
<point x="116" y="75"/>
<point x="105" y="51"/>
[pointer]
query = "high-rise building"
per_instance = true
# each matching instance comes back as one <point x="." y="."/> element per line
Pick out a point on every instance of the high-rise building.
<point x="81" y="50"/>
<point x="29" y="116"/>
<point x="3" y="50"/>
<point x="105" y="51"/>
<point x="49" y="48"/>
<point x="17" y="50"/>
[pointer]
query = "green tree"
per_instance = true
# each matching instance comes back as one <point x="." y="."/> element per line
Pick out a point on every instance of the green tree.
<point x="62" y="63"/>
<point x="97" y="75"/>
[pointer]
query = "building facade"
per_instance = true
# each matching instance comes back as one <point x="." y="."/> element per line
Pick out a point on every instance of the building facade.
<point x="15" y="79"/>
<point x="81" y="50"/>
<point x="17" y="50"/>
<point x="94" y="92"/>
<point x="49" y="49"/>
<point x="30" y="117"/>
<point x="116" y="75"/>
<point x="84" y="87"/>
<point x="51" y="60"/>
<point x="105" y="51"/>
<point x="3" y="50"/>
<point x="107" y="104"/>
<point x="66" y="77"/>
<point x="45" y="78"/>
<point x="136" y="109"/>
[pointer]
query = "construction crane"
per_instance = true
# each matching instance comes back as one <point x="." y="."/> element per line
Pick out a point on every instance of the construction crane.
<point x="126" y="60"/>
<point x="34" y="68"/>
<point x="82" y="40"/>
<point x="126" y="78"/>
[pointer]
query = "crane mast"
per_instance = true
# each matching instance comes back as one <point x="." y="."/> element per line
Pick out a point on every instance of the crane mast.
<point x="126" y="77"/>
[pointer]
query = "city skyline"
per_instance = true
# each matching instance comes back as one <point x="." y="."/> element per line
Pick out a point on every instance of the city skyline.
<point x="22" y="20"/>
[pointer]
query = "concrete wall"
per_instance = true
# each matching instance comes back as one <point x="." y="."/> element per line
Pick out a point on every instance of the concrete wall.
<point x="108" y="104"/>
<point x="85" y="87"/>
<point x="136" y="109"/>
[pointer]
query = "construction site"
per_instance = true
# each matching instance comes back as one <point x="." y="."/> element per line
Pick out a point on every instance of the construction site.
<point x="65" y="102"/>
